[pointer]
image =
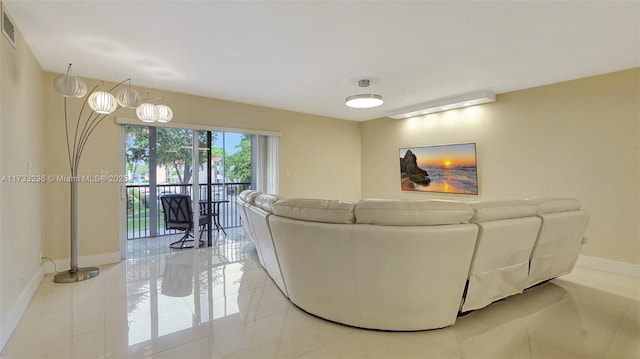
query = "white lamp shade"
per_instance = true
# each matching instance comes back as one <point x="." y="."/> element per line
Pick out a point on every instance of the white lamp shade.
<point x="70" y="86"/>
<point x="102" y="102"/>
<point x="165" y="114"/>
<point x="128" y="97"/>
<point x="147" y="112"/>
<point x="364" y="101"/>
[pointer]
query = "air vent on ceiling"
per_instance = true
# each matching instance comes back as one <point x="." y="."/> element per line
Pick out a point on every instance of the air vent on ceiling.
<point x="8" y="29"/>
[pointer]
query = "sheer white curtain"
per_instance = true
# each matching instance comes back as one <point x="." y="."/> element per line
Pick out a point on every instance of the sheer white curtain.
<point x="265" y="152"/>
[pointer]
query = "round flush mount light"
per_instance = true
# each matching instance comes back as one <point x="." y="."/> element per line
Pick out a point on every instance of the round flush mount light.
<point x="365" y="100"/>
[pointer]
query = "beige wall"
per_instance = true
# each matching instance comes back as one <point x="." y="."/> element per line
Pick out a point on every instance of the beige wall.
<point x="21" y="136"/>
<point x="313" y="150"/>
<point x="578" y="138"/>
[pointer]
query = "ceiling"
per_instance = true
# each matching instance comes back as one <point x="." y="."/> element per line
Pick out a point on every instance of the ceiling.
<point x="308" y="56"/>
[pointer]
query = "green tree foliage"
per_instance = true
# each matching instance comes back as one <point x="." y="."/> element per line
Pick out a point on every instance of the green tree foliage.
<point x="238" y="165"/>
<point x="174" y="151"/>
<point x="137" y="147"/>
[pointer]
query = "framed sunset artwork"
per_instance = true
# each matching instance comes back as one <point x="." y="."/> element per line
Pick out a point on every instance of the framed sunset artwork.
<point x="444" y="169"/>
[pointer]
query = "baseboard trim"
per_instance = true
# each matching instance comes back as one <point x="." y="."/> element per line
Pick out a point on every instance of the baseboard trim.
<point x="13" y="318"/>
<point x="610" y="266"/>
<point x="84" y="261"/>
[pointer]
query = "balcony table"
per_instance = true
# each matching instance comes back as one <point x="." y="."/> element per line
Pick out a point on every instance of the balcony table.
<point x="215" y="214"/>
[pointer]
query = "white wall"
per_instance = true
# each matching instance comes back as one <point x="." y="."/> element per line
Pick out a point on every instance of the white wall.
<point x="577" y="138"/>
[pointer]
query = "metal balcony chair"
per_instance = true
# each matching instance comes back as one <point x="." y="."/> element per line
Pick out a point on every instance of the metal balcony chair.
<point x="178" y="215"/>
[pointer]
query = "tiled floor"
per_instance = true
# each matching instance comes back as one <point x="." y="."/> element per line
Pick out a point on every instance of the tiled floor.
<point x="151" y="307"/>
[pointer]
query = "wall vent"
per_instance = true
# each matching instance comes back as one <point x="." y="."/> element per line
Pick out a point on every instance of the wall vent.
<point x="8" y="28"/>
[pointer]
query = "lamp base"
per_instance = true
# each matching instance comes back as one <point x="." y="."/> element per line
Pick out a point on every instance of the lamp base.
<point x="76" y="276"/>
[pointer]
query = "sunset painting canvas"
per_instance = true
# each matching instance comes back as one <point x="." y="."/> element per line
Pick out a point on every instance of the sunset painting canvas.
<point x="446" y="168"/>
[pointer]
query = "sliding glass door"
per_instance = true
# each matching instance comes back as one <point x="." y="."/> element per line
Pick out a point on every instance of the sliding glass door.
<point x="159" y="160"/>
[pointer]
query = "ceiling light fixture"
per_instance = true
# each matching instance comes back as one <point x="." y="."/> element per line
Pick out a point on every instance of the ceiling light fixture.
<point x="445" y="104"/>
<point x="365" y="100"/>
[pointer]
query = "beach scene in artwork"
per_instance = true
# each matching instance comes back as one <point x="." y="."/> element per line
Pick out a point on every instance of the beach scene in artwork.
<point x="446" y="168"/>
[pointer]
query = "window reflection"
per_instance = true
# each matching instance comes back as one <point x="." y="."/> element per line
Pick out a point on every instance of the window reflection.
<point x="182" y="291"/>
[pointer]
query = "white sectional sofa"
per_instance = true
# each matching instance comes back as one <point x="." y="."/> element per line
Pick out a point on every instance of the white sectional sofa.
<point x="409" y="264"/>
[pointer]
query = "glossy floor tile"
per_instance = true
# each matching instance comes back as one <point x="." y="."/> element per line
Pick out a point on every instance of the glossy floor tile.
<point x="219" y="303"/>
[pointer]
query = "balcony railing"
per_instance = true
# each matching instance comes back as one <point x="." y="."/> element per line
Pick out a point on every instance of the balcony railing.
<point x="141" y="206"/>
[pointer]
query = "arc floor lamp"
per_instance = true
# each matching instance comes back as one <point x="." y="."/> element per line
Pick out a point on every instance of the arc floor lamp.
<point x="101" y="104"/>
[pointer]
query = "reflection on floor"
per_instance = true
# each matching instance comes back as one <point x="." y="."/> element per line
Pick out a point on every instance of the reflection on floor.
<point x="219" y="303"/>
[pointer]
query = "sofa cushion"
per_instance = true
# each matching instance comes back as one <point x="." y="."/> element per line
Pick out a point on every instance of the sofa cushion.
<point x="243" y="195"/>
<point x="249" y="196"/>
<point x="502" y="209"/>
<point x="555" y="205"/>
<point x="315" y="210"/>
<point x="265" y="201"/>
<point x="387" y="212"/>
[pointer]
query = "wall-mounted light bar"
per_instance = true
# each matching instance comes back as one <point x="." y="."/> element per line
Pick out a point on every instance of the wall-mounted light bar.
<point x="445" y="104"/>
